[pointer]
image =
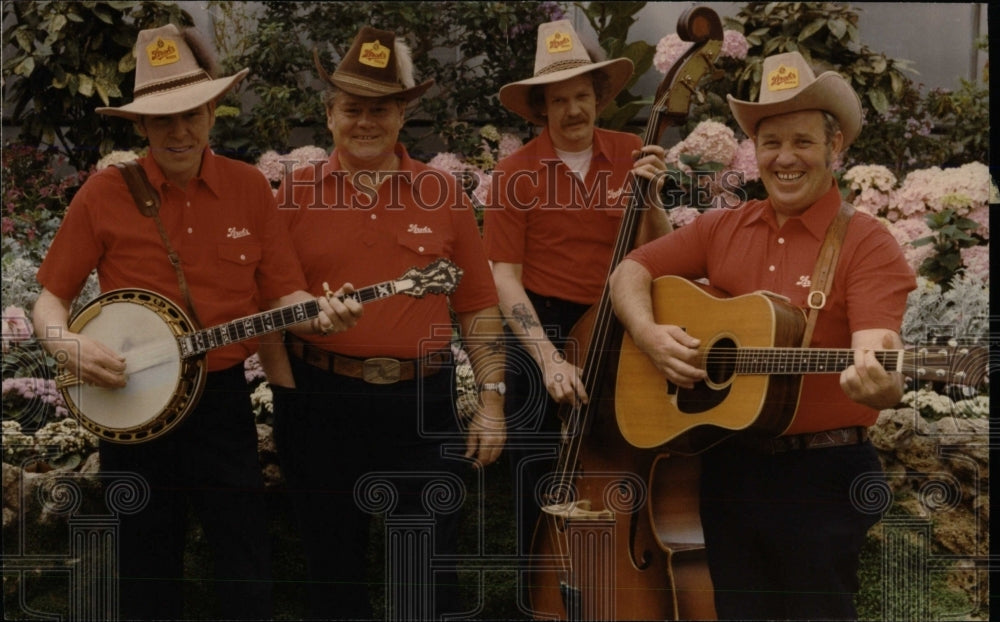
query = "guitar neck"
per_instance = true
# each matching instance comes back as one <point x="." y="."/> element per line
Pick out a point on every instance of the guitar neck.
<point x="773" y="361"/>
<point x="925" y="363"/>
<point x="201" y="341"/>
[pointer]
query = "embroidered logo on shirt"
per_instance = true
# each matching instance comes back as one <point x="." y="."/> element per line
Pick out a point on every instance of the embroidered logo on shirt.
<point x="614" y="195"/>
<point x="235" y="233"/>
<point x="804" y="281"/>
<point x="419" y="229"/>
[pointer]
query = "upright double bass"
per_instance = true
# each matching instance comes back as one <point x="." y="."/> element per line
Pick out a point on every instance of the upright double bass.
<point x="596" y="553"/>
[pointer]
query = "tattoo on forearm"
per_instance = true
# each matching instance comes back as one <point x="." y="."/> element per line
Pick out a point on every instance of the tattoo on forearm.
<point x="523" y="315"/>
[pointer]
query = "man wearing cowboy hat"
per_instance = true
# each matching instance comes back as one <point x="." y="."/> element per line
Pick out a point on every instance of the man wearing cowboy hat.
<point x="549" y="228"/>
<point x="784" y="517"/>
<point x="220" y="217"/>
<point x="373" y="408"/>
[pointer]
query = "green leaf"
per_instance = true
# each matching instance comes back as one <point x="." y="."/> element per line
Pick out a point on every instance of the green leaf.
<point x="811" y="28"/>
<point x="837" y="26"/>
<point x="86" y="85"/>
<point x="24" y="40"/>
<point x="773" y="44"/>
<point x="897" y="83"/>
<point x="25" y="67"/>
<point x="878" y="100"/>
<point x="58" y="22"/>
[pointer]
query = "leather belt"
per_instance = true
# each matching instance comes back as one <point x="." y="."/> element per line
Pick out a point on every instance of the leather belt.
<point x="376" y="370"/>
<point x="812" y="440"/>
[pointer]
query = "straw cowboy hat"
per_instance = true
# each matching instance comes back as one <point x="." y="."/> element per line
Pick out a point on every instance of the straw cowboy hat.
<point x="789" y="85"/>
<point x="377" y="65"/>
<point x="174" y="72"/>
<point x="560" y="55"/>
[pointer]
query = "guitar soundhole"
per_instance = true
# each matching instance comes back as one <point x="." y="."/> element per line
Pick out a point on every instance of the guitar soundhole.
<point x="720" y="364"/>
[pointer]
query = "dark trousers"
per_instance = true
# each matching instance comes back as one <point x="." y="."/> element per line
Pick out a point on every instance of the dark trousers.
<point x="533" y="427"/>
<point x="210" y="462"/>
<point x="348" y="450"/>
<point x="783" y="532"/>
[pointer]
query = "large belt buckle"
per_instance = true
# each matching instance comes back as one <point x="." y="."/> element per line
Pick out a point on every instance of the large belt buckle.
<point x="380" y="370"/>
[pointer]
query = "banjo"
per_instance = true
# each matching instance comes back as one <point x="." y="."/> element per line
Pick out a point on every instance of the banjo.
<point x="165" y="351"/>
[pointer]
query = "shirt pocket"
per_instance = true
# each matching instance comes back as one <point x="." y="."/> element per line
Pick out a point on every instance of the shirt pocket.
<point x="426" y="245"/>
<point x="238" y="266"/>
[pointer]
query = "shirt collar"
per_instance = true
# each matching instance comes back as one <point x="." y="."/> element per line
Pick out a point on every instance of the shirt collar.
<point x="816" y="219"/>
<point x="406" y="163"/>
<point x="209" y="174"/>
<point x="545" y="150"/>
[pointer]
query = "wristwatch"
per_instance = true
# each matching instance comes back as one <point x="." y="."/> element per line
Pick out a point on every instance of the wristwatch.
<point x="499" y="387"/>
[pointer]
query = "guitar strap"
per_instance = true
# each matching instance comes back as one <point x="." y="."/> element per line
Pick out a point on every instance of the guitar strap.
<point x="148" y="202"/>
<point x="826" y="264"/>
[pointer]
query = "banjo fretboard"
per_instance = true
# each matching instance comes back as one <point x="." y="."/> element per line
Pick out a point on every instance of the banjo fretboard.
<point x="199" y="342"/>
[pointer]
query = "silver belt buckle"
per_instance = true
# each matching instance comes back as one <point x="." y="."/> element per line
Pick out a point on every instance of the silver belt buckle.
<point x="380" y="370"/>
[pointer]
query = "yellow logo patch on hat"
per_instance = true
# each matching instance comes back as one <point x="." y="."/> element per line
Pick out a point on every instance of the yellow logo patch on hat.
<point x="559" y="42"/>
<point x="162" y="52"/>
<point x="374" y="54"/>
<point x="783" y="78"/>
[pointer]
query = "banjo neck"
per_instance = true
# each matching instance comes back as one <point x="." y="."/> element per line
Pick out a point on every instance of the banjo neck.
<point x="241" y="329"/>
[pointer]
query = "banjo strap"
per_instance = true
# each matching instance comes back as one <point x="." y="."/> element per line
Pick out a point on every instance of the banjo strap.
<point x="826" y="263"/>
<point x="148" y="202"/>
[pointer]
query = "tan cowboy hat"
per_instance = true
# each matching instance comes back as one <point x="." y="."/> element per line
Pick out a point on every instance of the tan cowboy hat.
<point x="173" y="73"/>
<point x="560" y="55"/>
<point x="789" y="85"/>
<point x="377" y="65"/>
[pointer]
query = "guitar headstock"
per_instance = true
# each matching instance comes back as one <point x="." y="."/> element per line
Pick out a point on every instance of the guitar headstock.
<point x="965" y="365"/>
<point x="441" y="276"/>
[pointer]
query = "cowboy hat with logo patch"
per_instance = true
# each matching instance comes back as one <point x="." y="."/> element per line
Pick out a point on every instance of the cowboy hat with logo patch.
<point x="561" y="55"/>
<point x="174" y="72"/>
<point x="377" y="65"/>
<point x="789" y="85"/>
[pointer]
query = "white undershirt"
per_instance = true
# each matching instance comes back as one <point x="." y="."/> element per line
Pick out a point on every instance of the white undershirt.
<point x="577" y="161"/>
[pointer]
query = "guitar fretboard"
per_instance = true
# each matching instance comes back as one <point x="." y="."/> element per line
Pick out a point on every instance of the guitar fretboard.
<point x="959" y="365"/>
<point x="801" y="360"/>
<point x="271" y="321"/>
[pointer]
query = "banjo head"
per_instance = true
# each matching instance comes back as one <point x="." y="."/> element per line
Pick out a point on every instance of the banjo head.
<point x="162" y="387"/>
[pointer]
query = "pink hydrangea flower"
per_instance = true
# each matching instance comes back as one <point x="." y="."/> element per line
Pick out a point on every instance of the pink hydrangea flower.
<point x="448" y="162"/>
<point x="271" y="166"/>
<point x="982" y="216"/>
<point x="309" y="154"/>
<point x="734" y="45"/>
<point x="482" y="191"/>
<point x="509" y="143"/>
<point x="713" y="141"/>
<point x="745" y="161"/>
<point x="906" y="231"/>
<point x="680" y="216"/>
<point x="252" y="369"/>
<point x="16" y="326"/>
<point x="670" y="48"/>
<point x="976" y="260"/>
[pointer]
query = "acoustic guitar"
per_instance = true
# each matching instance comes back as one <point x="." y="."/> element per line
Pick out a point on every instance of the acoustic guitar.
<point x="750" y="351"/>
<point x="165" y="352"/>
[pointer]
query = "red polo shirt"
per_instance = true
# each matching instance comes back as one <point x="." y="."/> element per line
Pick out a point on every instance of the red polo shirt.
<point x="560" y="229"/>
<point x="743" y="250"/>
<point x="363" y="235"/>
<point x="224" y="226"/>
